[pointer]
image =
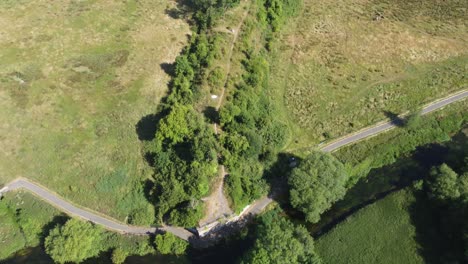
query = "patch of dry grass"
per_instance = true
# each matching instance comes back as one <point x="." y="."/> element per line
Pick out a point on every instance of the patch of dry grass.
<point x="75" y="78"/>
<point x="340" y="65"/>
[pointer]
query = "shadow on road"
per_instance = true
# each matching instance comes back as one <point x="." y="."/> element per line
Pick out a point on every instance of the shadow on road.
<point x="395" y="119"/>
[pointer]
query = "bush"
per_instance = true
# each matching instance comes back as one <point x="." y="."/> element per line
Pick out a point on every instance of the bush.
<point x="318" y="182"/>
<point x="74" y="242"/>
<point x="119" y="256"/>
<point x="170" y="244"/>
<point x="277" y="240"/>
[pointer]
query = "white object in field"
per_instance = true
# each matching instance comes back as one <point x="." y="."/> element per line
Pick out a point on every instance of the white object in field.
<point x="214" y="96"/>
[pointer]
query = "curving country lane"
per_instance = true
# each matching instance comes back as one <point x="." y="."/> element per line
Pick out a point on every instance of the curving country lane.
<point x="377" y="129"/>
<point x="86" y="214"/>
<point x="254" y="208"/>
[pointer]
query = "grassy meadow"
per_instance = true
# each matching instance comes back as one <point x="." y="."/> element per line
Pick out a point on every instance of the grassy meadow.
<point x="75" y="79"/>
<point x="341" y="66"/>
<point x="380" y="233"/>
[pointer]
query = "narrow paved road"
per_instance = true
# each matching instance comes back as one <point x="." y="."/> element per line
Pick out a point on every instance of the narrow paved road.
<point x="72" y="210"/>
<point x="255" y="208"/>
<point x="388" y="125"/>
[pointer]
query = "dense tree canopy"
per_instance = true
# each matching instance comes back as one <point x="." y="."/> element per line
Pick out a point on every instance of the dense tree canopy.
<point x="316" y="184"/>
<point x="445" y="184"/>
<point x="170" y="244"/>
<point x="74" y="242"/>
<point x="279" y="241"/>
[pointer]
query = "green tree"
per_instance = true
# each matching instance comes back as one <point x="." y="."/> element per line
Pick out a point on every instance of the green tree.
<point x="279" y="241"/>
<point x="443" y="183"/>
<point x="119" y="255"/>
<point x="316" y="184"/>
<point x="74" y="242"/>
<point x="170" y="244"/>
<point x="413" y="120"/>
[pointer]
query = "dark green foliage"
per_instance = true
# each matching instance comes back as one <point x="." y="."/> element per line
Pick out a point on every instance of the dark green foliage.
<point x="74" y="242"/>
<point x="445" y="184"/>
<point x="253" y="134"/>
<point x="184" y="150"/>
<point x="170" y="244"/>
<point x="208" y="11"/>
<point x="187" y="215"/>
<point x="216" y="77"/>
<point x="245" y="184"/>
<point x="448" y="192"/>
<point x="280" y="241"/>
<point x="184" y="153"/>
<point x="316" y="184"/>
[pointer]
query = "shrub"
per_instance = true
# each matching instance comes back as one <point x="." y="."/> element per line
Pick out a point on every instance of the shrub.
<point x="170" y="244"/>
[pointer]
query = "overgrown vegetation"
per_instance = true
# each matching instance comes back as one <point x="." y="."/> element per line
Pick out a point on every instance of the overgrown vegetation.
<point x="338" y="69"/>
<point x="184" y="149"/>
<point x="318" y="182"/>
<point x="27" y="222"/>
<point x="423" y="223"/>
<point x="170" y="244"/>
<point x="22" y="221"/>
<point x="278" y="240"/>
<point x="252" y="135"/>
<point x="74" y="242"/>
<point x="385" y="148"/>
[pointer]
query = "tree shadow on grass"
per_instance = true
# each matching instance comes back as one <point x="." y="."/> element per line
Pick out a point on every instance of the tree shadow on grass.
<point x="211" y="114"/>
<point x="168" y="68"/>
<point x="425" y="220"/>
<point x="180" y="11"/>
<point x="56" y="221"/>
<point x="277" y="176"/>
<point x="146" y="127"/>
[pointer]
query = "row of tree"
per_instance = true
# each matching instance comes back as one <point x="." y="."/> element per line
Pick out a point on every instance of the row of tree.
<point x="76" y="241"/>
<point x="184" y="149"/>
<point x="252" y="132"/>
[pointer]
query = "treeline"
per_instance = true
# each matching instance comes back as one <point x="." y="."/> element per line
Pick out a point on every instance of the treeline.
<point x="184" y="150"/>
<point x="76" y="241"/>
<point x="252" y="134"/>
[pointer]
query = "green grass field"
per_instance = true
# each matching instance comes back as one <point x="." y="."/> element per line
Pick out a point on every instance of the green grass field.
<point x="76" y="77"/>
<point x="380" y="233"/>
<point x="339" y="66"/>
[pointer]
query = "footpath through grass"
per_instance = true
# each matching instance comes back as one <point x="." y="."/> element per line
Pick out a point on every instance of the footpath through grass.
<point x="380" y="233"/>
<point x="76" y="77"/>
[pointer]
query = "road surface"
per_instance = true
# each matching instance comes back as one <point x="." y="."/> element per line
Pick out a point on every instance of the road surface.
<point x="388" y="125"/>
<point x="255" y="208"/>
<point x="72" y="210"/>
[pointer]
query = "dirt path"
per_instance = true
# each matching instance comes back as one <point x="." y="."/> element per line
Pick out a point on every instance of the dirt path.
<point x="217" y="205"/>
